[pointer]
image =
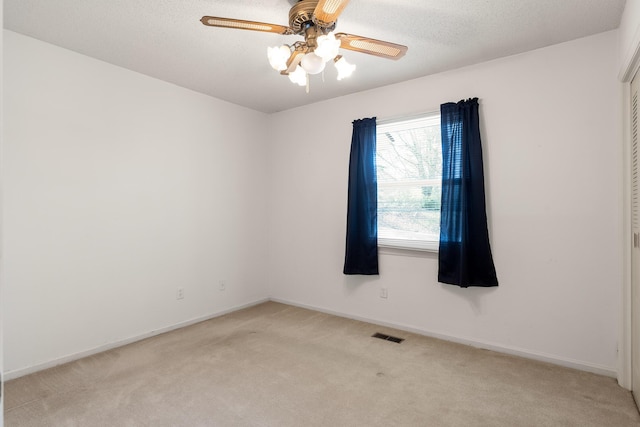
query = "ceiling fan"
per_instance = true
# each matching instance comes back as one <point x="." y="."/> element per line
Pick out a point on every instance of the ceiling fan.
<point x="315" y="20"/>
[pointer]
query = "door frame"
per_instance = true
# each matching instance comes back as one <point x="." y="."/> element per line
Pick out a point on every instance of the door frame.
<point x="630" y="65"/>
<point x="624" y="334"/>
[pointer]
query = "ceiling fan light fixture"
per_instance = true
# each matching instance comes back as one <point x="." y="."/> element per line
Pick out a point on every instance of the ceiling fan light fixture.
<point x="344" y="68"/>
<point x="278" y="57"/>
<point x="298" y="76"/>
<point x="312" y="63"/>
<point x="315" y="20"/>
<point x="328" y="47"/>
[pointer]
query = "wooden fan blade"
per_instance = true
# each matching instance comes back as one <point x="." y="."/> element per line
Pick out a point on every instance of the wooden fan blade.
<point x="371" y="46"/>
<point x="214" y="21"/>
<point x="292" y="63"/>
<point x="327" y="11"/>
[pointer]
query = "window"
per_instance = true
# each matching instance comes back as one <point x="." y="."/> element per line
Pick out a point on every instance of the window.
<point x="409" y="171"/>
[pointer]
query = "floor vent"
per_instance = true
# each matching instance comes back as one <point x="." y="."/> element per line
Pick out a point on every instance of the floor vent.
<point x="387" y="337"/>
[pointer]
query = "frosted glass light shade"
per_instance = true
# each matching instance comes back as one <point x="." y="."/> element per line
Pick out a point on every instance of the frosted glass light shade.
<point x="299" y="76"/>
<point x="278" y="57"/>
<point x="344" y="68"/>
<point x="312" y="63"/>
<point x="328" y="47"/>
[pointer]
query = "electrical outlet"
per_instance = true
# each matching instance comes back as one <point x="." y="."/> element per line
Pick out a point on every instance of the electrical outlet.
<point x="222" y="285"/>
<point x="383" y="293"/>
<point x="180" y="293"/>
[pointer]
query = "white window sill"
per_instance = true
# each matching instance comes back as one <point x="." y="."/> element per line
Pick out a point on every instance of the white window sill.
<point x="407" y="247"/>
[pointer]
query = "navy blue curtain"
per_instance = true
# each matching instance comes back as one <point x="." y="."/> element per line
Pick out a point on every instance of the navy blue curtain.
<point x="465" y="254"/>
<point x="361" y="254"/>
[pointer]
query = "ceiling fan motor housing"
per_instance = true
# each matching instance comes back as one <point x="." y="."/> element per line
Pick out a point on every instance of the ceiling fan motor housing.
<point x="301" y="18"/>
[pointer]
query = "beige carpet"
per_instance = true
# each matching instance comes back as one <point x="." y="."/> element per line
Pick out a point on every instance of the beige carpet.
<point x="277" y="365"/>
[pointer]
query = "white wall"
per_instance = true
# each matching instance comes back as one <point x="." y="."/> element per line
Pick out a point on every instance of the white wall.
<point x="552" y="149"/>
<point x="119" y="189"/>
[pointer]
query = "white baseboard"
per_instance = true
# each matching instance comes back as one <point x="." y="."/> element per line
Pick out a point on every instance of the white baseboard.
<point x="566" y="362"/>
<point x="10" y="375"/>
<point x="569" y="363"/>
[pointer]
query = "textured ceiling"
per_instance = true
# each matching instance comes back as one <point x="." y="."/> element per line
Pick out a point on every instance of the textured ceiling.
<point x="164" y="39"/>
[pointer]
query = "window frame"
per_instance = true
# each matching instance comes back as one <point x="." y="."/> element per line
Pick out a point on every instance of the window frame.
<point x="408" y="245"/>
